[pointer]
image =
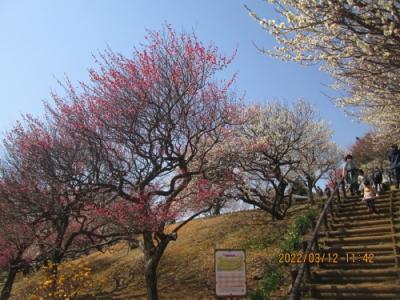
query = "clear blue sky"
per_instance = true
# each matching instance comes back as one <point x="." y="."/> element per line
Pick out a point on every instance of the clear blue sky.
<point x="43" y="40"/>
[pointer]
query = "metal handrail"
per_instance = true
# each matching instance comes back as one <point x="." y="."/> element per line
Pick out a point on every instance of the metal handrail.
<point x="393" y="229"/>
<point x="296" y="285"/>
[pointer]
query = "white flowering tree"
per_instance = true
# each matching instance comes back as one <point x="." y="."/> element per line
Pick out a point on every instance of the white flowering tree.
<point x="357" y="42"/>
<point x="265" y="154"/>
<point x="319" y="156"/>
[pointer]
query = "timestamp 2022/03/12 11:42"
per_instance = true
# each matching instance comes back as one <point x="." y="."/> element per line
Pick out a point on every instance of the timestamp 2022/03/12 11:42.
<point x="326" y="257"/>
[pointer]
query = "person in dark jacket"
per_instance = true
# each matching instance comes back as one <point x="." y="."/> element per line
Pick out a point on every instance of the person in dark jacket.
<point x="350" y="173"/>
<point x="394" y="158"/>
<point x="377" y="178"/>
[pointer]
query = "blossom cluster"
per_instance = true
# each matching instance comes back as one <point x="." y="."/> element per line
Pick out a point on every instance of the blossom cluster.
<point x="357" y="42"/>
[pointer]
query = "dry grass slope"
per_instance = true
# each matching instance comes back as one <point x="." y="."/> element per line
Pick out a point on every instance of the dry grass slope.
<point x="186" y="271"/>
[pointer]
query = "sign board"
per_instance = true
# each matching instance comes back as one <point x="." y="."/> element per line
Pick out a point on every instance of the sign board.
<point x="230" y="273"/>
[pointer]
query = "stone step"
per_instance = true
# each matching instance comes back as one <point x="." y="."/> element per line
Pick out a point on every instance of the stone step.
<point x="356" y="266"/>
<point x="360" y="204"/>
<point x="361" y="240"/>
<point x="360" y="288"/>
<point x="358" y="231"/>
<point x="354" y="296"/>
<point x="359" y="248"/>
<point x="349" y="197"/>
<point x="343" y="252"/>
<point x="360" y="224"/>
<point x="353" y="279"/>
<point x="366" y="217"/>
<point x="387" y="272"/>
<point x="383" y="195"/>
<point x="347" y="202"/>
<point x="382" y="209"/>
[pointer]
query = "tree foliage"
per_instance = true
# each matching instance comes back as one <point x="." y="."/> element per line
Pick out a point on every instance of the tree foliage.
<point x="148" y="123"/>
<point x="371" y="151"/>
<point x="269" y="150"/>
<point x="356" y="41"/>
<point x="149" y="140"/>
<point x="124" y="154"/>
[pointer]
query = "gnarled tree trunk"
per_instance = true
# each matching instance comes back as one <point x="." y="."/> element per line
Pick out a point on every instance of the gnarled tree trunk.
<point x="152" y="256"/>
<point x="6" y="292"/>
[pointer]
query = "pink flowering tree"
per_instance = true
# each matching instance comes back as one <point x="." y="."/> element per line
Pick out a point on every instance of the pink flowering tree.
<point x="18" y="236"/>
<point x="150" y="123"/>
<point x="45" y="179"/>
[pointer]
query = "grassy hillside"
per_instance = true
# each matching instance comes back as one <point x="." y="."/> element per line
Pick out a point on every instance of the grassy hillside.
<point x="186" y="271"/>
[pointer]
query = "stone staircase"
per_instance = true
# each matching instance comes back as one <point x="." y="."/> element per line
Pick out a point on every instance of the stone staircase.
<point x="367" y="247"/>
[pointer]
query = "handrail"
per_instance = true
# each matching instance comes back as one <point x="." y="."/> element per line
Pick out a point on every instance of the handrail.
<point x="393" y="229"/>
<point x="296" y="286"/>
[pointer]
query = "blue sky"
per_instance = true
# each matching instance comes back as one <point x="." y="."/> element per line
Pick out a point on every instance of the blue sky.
<point x="41" y="41"/>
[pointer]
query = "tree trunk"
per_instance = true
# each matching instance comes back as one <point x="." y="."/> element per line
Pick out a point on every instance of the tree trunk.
<point x="217" y="209"/>
<point x="151" y="279"/>
<point x="273" y="209"/>
<point x="56" y="260"/>
<point x="310" y="193"/>
<point x="276" y="211"/>
<point x="54" y="277"/>
<point x="152" y="256"/>
<point x="6" y="292"/>
<point x="310" y="184"/>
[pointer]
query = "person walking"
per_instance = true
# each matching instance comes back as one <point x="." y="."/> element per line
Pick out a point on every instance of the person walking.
<point x="394" y="158"/>
<point x="369" y="196"/>
<point x="350" y="174"/>
<point x="377" y="178"/>
<point x="360" y="181"/>
<point x="385" y="181"/>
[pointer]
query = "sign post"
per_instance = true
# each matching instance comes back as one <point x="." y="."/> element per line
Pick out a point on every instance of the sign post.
<point x="230" y="273"/>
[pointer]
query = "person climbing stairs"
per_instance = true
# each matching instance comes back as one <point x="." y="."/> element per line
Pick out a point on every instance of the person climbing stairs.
<point x="366" y="251"/>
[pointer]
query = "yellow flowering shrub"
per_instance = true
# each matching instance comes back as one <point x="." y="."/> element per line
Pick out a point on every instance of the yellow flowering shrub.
<point x="67" y="281"/>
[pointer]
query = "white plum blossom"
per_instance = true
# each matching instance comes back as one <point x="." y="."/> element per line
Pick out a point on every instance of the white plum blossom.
<point x="357" y="42"/>
<point x="272" y="148"/>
